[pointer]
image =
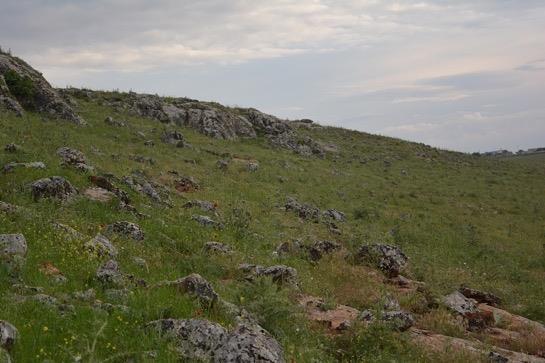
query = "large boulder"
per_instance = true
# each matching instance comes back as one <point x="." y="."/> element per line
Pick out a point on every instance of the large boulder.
<point x="22" y="87"/>
<point x="389" y="259"/>
<point x="53" y="187"/>
<point x="205" y="341"/>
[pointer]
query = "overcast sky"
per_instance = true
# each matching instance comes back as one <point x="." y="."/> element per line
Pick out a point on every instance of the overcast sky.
<point x="466" y="75"/>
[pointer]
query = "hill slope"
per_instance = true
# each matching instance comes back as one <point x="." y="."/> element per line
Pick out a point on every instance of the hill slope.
<point x="460" y="219"/>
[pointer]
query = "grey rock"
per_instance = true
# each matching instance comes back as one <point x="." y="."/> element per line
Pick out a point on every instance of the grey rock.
<point x="320" y="248"/>
<point x="13" y="250"/>
<point x="204" y="205"/>
<point x="42" y="98"/>
<point x="205" y="341"/>
<point x="174" y="138"/>
<point x="304" y="211"/>
<point x="11" y="148"/>
<point x="459" y="303"/>
<point x="88" y="295"/>
<point x="335" y="215"/>
<point x="366" y="316"/>
<point x="31" y="165"/>
<point x="110" y="121"/>
<point x="71" y="157"/>
<point x="8" y="208"/>
<point x="252" y="166"/>
<point x="127" y="229"/>
<point x="143" y="159"/>
<point x="197" y="286"/>
<point x="400" y="320"/>
<point x="109" y="274"/>
<point x="141" y="184"/>
<point x="390" y="259"/>
<point x="480" y="296"/>
<point x="8" y="335"/>
<point x="101" y="246"/>
<point x="280" y="274"/>
<point x="390" y="304"/>
<point x="53" y="187"/>
<point x="44" y="299"/>
<point x="222" y="164"/>
<point x="206" y="221"/>
<point x="217" y="247"/>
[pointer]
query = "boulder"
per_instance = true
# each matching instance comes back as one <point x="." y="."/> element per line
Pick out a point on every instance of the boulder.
<point x="174" y="138"/>
<point x="320" y="248"/>
<point x="459" y="303"/>
<point x="280" y="274"/>
<point x="399" y="320"/>
<point x="11" y="148"/>
<point x="217" y="247"/>
<point x="304" y="211"/>
<point x="109" y="120"/>
<point x="206" y="221"/>
<point x="197" y="286"/>
<point x="109" y="273"/>
<point x="22" y="87"/>
<point x="53" y="187"/>
<point x="8" y="335"/>
<point x="141" y="184"/>
<point x="205" y="341"/>
<point x="13" y="249"/>
<point x="126" y="229"/>
<point x="101" y="246"/>
<point x="390" y="259"/>
<point x="334" y="215"/>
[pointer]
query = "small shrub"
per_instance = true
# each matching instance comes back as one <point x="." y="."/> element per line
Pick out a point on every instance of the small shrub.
<point x="22" y="87"/>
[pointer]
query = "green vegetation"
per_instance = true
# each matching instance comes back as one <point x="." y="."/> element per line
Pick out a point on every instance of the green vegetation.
<point x="460" y="219"/>
<point x="21" y="87"/>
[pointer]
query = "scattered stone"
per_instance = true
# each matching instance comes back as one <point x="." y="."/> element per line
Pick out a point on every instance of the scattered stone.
<point x="222" y="164"/>
<point x="53" y="187"/>
<point x="280" y="274"/>
<point x="101" y="246"/>
<point x="204" y="205"/>
<point x="207" y="221"/>
<point x="143" y="159"/>
<point x="11" y="148"/>
<point x="252" y="166"/>
<point x="186" y="185"/>
<point x="110" y="121"/>
<point x="400" y="320"/>
<point x="117" y="294"/>
<point x="105" y="183"/>
<point x="127" y="229"/>
<point x="197" y="286"/>
<point x="366" y="316"/>
<point x="320" y="248"/>
<point x="25" y="289"/>
<point x="174" y="138"/>
<point x="206" y="341"/>
<point x="8" y="208"/>
<point x="459" y="303"/>
<point x="109" y="274"/>
<point x="88" y="295"/>
<point x="390" y="259"/>
<point x="8" y="335"/>
<point x="338" y="318"/>
<point x="141" y="184"/>
<point x="304" y="211"/>
<point x="32" y="165"/>
<point x="217" y="247"/>
<point x="98" y="194"/>
<point x="13" y="249"/>
<point x="74" y="158"/>
<point x="335" y="215"/>
<point x="480" y="296"/>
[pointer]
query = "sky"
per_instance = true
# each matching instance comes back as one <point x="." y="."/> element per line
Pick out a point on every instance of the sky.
<point x="466" y="75"/>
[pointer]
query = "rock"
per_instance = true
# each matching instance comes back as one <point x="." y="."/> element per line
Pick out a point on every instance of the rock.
<point x="110" y="121"/>
<point x="98" y="194"/>
<point x="140" y="183"/>
<point x="480" y="296"/>
<point x="459" y="303"/>
<point x="186" y="184"/>
<point x="252" y="166"/>
<point x="204" y="205"/>
<point x="205" y="341"/>
<point x="304" y="211"/>
<point x="337" y="319"/>
<point x="143" y="159"/>
<point x="222" y="164"/>
<point x="53" y="187"/>
<point x="105" y="183"/>
<point x="101" y="246"/>
<point x="8" y="335"/>
<point x="127" y="229"/>
<point x="217" y="247"/>
<point x="197" y="286"/>
<point x="390" y="259"/>
<point x="13" y="249"/>
<point x="149" y="143"/>
<point x="11" y="148"/>
<point x="88" y="295"/>
<point x="74" y="158"/>
<point x="206" y="221"/>
<point x="32" y="165"/>
<point x="280" y="274"/>
<point x="390" y="304"/>
<point x="366" y="316"/>
<point x="8" y="208"/>
<point x="27" y="88"/>
<point x="335" y="215"/>
<point x="400" y="320"/>
<point x="174" y="138"/>
<point x="320" y="248"/>
<point x="109" y="274"/>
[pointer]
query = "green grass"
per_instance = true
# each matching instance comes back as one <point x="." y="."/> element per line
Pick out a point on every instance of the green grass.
<point x="460" y="219"/>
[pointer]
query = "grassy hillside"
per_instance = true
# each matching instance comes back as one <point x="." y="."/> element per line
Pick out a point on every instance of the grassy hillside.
<point x="461" y="219"/>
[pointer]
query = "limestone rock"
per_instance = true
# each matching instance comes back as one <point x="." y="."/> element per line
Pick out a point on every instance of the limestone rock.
<point x="101" y="246"/>
<point x="53" y="187"/>
<point x="459" y="303"/>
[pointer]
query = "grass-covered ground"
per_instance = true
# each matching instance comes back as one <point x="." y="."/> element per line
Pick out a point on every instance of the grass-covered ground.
<point x="461" y="219"/>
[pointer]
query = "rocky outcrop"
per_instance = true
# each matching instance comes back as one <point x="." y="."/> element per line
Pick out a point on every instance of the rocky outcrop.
<point x="280" y="274"/>
<point x="389" y="259"/>
<point x="53" y="187"/>
<point x="205" y="341"/>
<point x="24" y="88"/>
<point x="73" y="158"/>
